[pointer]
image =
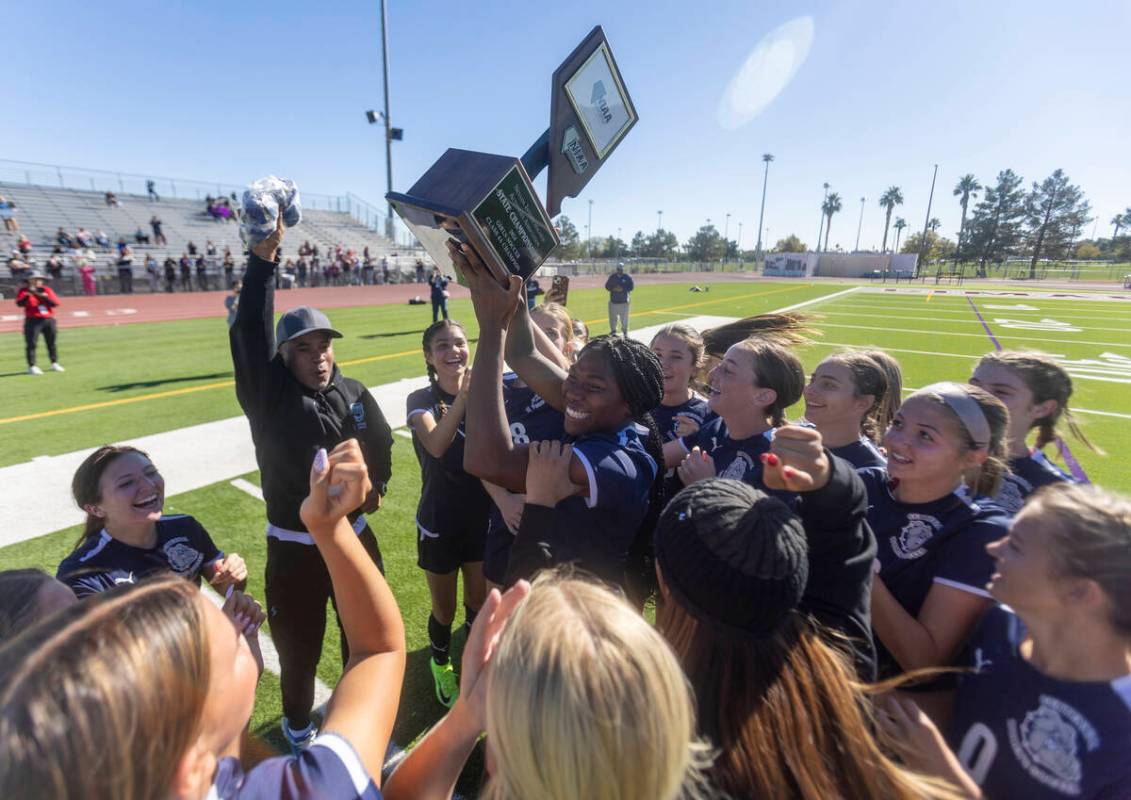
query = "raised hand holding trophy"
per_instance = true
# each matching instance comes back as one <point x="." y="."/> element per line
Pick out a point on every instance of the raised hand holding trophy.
<point x="488" y="201"/>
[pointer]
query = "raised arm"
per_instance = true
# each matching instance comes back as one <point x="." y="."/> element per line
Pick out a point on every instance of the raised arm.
<point x="437" y="436"/>
<point x="252" y="335"/>
<point x="527" y="349"/>
<point x="364" y="704"/>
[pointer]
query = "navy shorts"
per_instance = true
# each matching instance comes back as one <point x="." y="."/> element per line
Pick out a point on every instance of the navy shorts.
<point x="445" y="545"/>
<point x="497" y="553"/>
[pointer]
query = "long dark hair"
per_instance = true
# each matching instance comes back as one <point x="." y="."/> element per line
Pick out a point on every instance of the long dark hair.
<point x="640" y="378"/>
<point x="426" y="342"/>
<point x="86" y="485"/>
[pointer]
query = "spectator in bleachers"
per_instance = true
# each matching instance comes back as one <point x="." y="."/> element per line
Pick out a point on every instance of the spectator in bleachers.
<point x="229" y="268"/>
<point x="170" y="273"/>
<point x="54" y="267"/>
<point x="315" y="269"/>
<point x="102" y="240"/>
<point x="347" y="268"/>
<point x="126" y="270"/>
<point x="63" y="238"/>
<point x="201" y="273"/>
<point x="367" y="269"/>
<point x="209" y="248"/>
<point x="83" y="261"/>
<point x="121" y="244"/>
<point x="140" y="236"/>
<point x="333" y="272"/>
<point x="419" y="271"/>
<point x="18" y="268"/>
<point x="304" y="249"/>
<point x="152" y="272"/>
<point x="191" y="248"/>
<point x="23" y="245"/>
<point x="151" y="189"/>
<point x="186" y="273"/>
<point x="112" y="200"/>
<point x="158" y="235"/>
<point x="8" y="214"/>
<point x="384" y="269"/>
<point x="301" y="269"/>
<point x="83" y="237"/>
<point x="314" y="250"/>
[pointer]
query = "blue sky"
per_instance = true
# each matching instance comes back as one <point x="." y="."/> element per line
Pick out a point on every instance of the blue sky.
<point x="232" y="91"/>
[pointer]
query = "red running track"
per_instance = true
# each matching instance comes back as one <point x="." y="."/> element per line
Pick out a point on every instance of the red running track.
<point x="118" y="309"/>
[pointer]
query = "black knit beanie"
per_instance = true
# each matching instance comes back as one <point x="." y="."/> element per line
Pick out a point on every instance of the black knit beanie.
<point x="732" y="556"/>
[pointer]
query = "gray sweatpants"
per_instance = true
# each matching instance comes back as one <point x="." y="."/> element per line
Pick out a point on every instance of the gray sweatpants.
<point x="618" y="311"/>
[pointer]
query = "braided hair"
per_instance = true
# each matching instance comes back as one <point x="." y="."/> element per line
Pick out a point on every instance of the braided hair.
<point x="640" y="378"/>
<point x="426" y="342"/>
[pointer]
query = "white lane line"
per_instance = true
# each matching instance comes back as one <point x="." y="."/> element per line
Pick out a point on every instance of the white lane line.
<point x="403" y="432"/>
<point x="975" y="335"/>
<point x="249" y="487"/>
<point x="924" y="318"/>
<point x="1074" y="409"/>
<point x="823" y="299"/>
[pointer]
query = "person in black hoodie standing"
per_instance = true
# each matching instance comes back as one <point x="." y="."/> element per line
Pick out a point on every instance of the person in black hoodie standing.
<point x="297" y="401"/>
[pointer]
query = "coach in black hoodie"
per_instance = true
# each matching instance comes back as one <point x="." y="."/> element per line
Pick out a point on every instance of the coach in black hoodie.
<point x="296" y="401"/>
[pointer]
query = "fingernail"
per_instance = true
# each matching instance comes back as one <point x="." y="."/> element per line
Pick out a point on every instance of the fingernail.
<point x="321" y="461"/>
<point x="771" y="459"/>
<point x="788" y="472"/>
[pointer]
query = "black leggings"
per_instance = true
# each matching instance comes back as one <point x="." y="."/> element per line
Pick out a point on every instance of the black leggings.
<point x="298" y="586"/>
<point x="32" y="329"/>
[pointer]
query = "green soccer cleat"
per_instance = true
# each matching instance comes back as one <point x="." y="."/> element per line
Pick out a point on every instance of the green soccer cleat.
<point x="447" y="685"/>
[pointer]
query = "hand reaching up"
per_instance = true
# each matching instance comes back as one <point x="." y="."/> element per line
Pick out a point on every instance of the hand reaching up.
<point x="339" y="483"/>
<point x="796" y="461"/>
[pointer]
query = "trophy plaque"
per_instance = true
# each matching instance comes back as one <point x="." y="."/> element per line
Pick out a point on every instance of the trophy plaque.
<point x="489" y="202"/>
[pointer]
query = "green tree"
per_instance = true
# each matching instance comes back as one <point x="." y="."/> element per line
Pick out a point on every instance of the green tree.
<point x="790" y="244"/>
<point x="705" y="245"/>
<point x="831" y="206"/>
<point x="639" y="244"/>
<point x="889" y="200"/>
<point x="612" y="247"/>
<point x="1088" y="251"/>
<point x="966" y="188"/>
<point x="900" y="224"/>
<point x="937" y="247"/>
<point x="571" y="240"/>
<point x="662" y="244"/>
<point x="1055" y="211"/>
<point x="996" y="226"/>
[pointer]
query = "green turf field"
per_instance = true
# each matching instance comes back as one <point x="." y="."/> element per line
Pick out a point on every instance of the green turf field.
<point x="176" y="374"/>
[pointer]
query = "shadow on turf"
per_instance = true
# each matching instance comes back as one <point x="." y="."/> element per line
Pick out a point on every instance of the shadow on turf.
<point x="389" y="334"/>
<point x="124" y="387"/>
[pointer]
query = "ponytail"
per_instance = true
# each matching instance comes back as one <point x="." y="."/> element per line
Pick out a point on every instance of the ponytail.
<point x="776" y="367"/>
<point x="426" y="343"/>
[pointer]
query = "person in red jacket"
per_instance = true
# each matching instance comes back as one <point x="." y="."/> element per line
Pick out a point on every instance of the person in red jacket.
<point x="38" y="302"/>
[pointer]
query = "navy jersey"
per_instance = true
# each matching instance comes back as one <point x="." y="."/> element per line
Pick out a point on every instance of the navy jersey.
<point x="330" y="767"/>
<point x="598" y="528"/>
<point x="445" y="489"/>
<point x="1026" y="475"/>
<point x="102" y="562"/>
<point x="739" y="459"/>
<point x="665" y="416"/>
<point x="531" y="419"/>
<point x="1020" y="733"/>
<point x="861" y="454"/>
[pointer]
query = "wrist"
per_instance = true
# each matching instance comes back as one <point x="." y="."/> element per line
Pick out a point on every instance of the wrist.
<point x="463" y="719"/>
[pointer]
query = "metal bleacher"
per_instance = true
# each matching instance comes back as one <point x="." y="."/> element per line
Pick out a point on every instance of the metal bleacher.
<point x="42" y="210"/>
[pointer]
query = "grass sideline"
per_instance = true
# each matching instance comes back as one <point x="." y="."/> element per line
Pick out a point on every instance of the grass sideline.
<point x="936" y="337"/>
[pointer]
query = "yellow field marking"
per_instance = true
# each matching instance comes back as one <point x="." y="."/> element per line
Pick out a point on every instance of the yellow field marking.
<point x="930" y="294"/>
<point x="351" y="362"/>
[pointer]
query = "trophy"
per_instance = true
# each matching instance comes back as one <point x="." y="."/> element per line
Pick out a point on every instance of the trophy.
<point x="488" y="201"/>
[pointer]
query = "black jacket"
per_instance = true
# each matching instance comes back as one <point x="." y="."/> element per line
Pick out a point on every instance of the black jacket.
<point x="289" y="422"/>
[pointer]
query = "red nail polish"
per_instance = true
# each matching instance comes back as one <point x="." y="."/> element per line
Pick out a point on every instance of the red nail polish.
<point x="788" y="472"/>
<point x="771" y="459"/>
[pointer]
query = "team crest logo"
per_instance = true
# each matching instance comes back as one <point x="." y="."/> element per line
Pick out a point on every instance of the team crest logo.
<point x="536" y="402"/>
<point x="1047" y="743"/>
<point x="358" y="411"/>
<point x="737" y="469"/>
<point x="1009" y="496"/>
<point x="914" y="535"/>
<point x="183" y="558"/>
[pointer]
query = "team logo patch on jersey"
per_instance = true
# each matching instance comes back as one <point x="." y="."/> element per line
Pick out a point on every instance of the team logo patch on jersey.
<point x="1009" y="495"/>
<point x="914" y="535"/>
<point x="738" y="468"/>
<point x="183" y="558"/>
<point x="358" y="411"/>
<point x="536" y="402"/>
<point x="1046" y="743"/>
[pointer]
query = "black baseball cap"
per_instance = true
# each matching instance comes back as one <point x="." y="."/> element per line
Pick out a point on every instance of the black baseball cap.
<point x="300" y="321"/>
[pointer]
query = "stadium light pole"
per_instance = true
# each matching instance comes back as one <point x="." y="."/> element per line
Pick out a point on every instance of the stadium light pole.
<point x="388" y="132"/>
<point x="589" y="233"/>
<point x="859" y="225"/>
<point x="767" y="158"/>
<point x="726" y="236"/>
<point x="821" y="227"/>
<point x="659" y="221"/>
<point x="927" y="221"/>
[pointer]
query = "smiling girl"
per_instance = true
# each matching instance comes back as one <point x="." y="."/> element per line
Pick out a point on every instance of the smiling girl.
<point x="451" y="517"/>
<point x="749" y="389"/>
<point x="127" y="537"/>
<point x="851" y="399"/>
<point x="931" y="527"/>
<point x="1047" y="711"/>
<point x="1036" y="390"/>
<point x="614" y="488"/>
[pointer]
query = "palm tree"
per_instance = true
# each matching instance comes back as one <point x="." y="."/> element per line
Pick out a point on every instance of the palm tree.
<point x="888" y="200"/>
<point x="831" y="206"/>
<point x="900" y="224"/>
<point x="934" y="224"/>
<point x="966" y="188"/>
<point x="1120" y="221"/>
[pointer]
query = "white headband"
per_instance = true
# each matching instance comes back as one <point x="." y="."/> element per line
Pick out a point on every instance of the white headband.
<point x="965" y="407"/>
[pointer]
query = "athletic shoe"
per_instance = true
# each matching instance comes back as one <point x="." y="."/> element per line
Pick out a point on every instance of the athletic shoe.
<point x="34" y="370"/>
<point x="57" y="367"/>
<point x="447" y="686"/>
<point x="299" y="740"/>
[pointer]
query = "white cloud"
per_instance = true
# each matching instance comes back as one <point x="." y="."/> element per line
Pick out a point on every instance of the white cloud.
<point x="768" y="69"/>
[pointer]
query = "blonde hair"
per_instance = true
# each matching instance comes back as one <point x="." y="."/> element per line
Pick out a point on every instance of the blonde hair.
<point x="1045" y="380"/>
<point x="559" y="314"/>
<point x="776" y="367"/>
<point x="102" y="700"/>
<point x="587" y="700"/>
<point x="995" y="467"/>
<point x="1091" y="538"/>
